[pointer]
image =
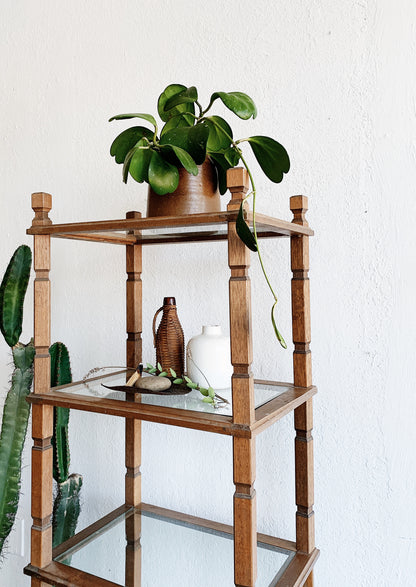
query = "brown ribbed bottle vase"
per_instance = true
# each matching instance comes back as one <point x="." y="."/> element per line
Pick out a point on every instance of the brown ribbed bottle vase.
<point x="168" y="339"/>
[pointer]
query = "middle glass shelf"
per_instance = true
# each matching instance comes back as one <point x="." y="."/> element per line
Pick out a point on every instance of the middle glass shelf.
<point x="272" y="401"/>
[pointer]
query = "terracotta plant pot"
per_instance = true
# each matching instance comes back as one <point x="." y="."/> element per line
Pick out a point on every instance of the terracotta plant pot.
<point x="195" y="194"/>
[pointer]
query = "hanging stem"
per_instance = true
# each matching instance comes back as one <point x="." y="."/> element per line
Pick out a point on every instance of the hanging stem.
<point x="253" y="193"/>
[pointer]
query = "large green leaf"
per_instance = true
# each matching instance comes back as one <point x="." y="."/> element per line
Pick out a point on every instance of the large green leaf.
<point x="126" y="140"/>
<point x="221" y="165"/>
<point x="187" y="107"/>
<point x="184" y="158"/>
<point x="140" y="161"/>
<point x="163" y="176"/>
<point x="147" y="117"/>
<point x="186" y="96"/>
<point x="12" y="294"/>
<point x="244" y="232"/>
<point x="177" y="121"/>
<point x="232" y="156"/>
<point x="238" y="102"/>
<point x="271" y="156"/>
<point x="192" y="139"/>
<point x="220" y="134"/>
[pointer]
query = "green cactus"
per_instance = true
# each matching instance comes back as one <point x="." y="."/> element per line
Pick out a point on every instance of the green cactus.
<point x="16" y="410"/>
<point x="60" y="375"/>
<point x="12" y="294"/>
<point x="13" y="432"/>
<point x="66" y="506"/>
<point x="66" y="509"/>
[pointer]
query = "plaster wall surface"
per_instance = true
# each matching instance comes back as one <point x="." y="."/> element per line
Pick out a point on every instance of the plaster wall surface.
<point x="334" y="82"/>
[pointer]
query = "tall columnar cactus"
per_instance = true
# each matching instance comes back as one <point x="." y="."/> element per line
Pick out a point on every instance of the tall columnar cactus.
<point x="67" y="502"/>
<point x="16" y="410"/>
<point x="60" y="375"/>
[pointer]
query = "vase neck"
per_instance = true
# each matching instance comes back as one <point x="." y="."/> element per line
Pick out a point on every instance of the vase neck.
<point x="212" y="330"/>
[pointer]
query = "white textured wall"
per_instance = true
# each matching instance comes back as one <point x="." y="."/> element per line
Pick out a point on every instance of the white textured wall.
<point x="335" y="82"/>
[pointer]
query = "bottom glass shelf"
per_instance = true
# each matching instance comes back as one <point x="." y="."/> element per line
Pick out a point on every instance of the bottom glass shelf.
<point x="146" y="549"/>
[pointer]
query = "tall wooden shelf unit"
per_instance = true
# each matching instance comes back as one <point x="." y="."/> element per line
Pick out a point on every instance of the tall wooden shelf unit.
<point x="250" y="416"/>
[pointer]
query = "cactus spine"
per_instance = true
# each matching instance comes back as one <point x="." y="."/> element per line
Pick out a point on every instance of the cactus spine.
<point x="16" y="410"/>
<point x="66" y="506"/>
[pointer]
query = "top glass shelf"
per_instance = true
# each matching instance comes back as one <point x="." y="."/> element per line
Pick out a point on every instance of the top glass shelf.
<point x="164" y="229"/>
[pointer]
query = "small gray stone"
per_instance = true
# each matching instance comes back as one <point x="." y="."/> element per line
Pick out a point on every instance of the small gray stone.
<point x="153" y="383"/>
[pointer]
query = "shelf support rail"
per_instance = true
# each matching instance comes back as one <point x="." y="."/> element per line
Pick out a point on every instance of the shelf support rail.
<point x="302" y="372"/>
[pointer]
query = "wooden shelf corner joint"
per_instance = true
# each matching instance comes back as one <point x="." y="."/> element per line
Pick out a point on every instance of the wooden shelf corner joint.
<point x="244" y="449"/>
<point x="302" y="373"/>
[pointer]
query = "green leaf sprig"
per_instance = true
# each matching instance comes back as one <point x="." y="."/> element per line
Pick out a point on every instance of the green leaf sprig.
<point x="189" y="135"/>
<point x="210" y="397"/>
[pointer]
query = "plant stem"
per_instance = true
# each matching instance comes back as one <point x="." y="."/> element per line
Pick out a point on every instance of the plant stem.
<point x="253" y="193"/>
<point x="200" y="108"/>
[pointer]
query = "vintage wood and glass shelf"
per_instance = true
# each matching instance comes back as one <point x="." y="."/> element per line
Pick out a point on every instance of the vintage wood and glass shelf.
<point x="254" y="406"/>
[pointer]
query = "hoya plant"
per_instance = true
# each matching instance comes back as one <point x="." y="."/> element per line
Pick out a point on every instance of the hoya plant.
<point x="190" y="134"/>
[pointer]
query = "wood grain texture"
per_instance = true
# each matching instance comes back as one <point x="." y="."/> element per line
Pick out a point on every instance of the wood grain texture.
<point x="42" y="416"/>
<point x="279" y="227"/>
<point x="41" y="205"/>
<point x="299" y="570"/>
<point x="242" y="383"/>
<point x="133" y="428"/>
<point x="61" y="575"/>
<point x="302" y="370"/>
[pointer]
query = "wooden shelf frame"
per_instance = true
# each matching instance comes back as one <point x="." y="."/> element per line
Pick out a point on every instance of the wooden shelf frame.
<point x="132" y="230"/>
<point x="293" y="575"/>
<point x="265" y="415"/>
<point x="246" y="422"/>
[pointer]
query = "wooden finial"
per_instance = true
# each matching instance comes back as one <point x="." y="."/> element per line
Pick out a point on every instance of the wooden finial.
<point x="238" y="182"/>
<point x="299" y="206"/>
<point x="41" y="205"/>
<point x="238" y="179"/>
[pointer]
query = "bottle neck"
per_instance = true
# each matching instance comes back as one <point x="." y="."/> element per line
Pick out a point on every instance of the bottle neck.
<point x="212" y="330"/>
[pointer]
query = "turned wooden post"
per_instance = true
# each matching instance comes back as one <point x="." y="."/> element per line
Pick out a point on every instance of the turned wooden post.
<point x="244" y="449"/>
<point x="42" y="416"/>
<point x="302" y="371"/>
<point x="133" y="358"/>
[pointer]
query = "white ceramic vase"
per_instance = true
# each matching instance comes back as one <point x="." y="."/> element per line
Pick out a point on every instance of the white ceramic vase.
<point x="208" y="358"/>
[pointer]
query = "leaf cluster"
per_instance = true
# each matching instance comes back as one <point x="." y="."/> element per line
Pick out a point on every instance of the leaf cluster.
<point x="208" y="393"/>
<point x="190" y="135"/>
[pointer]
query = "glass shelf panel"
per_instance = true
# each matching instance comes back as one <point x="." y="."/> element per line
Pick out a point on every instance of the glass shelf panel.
<point x="169" y="552"/>
<point x="192" y="401"/>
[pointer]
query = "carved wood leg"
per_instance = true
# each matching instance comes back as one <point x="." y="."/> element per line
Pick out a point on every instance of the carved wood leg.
<point x="244" y="449"/>
<point x="42" y="416"/>
<point x="133" y="357"/>
<point x="305" y="521"/>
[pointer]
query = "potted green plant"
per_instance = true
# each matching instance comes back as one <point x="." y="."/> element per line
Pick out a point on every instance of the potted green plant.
<point x="190" y="136"/>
